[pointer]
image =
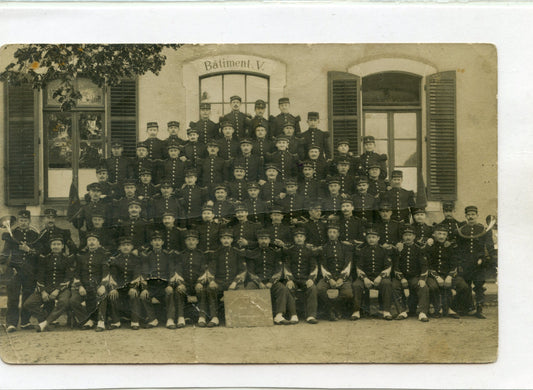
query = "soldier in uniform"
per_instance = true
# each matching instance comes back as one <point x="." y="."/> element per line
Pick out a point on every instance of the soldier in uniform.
<point x="173" y="168"/>
<point x="106" y="234"/>
<point x="410" y="269"/>
<point x="309" y="185"/>
<point x="251" y="163"/>
<point x="156" y="147"/>
<point x="227" y="271"/>
<point x="238" y="185"/>
<point x="109" y="190"/>
<point x="163" y="202"/>
<point x="442" y="263"/>
<point x="208" y="230"/>
<point x="262" y="144"/>
<point x="207" y="129"/>
<point x="280" y="232"/>
<point x="238" y="119"/>
<point x="21" y="255"/>
<point x="193" y="150"/>
<point x="52" y="230"/>
<point x="315" y="227"/>
<point x="333" y="198"/>
<point x="222" y="207"/>
<point x="120" y="207"/>
<point x="191" y="266"/>
<point x="192" y="197"/>
<point x="364" y="203"/>
<point x="172" y="235"/>
<point x="244" y="231"/>
<point x="370" y="157"/>
<point x="293" y="203"/>
<point x="272" y="189"/>
<point x="283" y="117"/>
<point x="141" y="162"/>
<point x="315" y="136"/>
<point x="89" y="285"/>
<point x="376" y="185"/>
<point x="283" y="159"/>
<point x="118" y="166"/>
<point x="257" y="208"/>
<point x="158" y="274"/>
<point x="476" y="253"/>
<point x="51" y="297"/>
<point x="335" y="265"/>
<point x="347" y="181"/>
<point x="402" y="200"/>
<point x="352" y="228"/>
<point x="373" y="270"/>
<point x="422" y="230"/>
<point x="320" y="165"/>
<point x="389" y="230"/>
<point x="300" y="273"/>
<point x="343" y="153"/>
<point x="264" y="271"/>
<point x="228" y="144"/>
<point x="449" y="220"/>
<point x="146" y="191"/>
<point x="135" y="226"/>
<point x="84" y="216"/>
<point x="259" y="119"/>
<point x="173" y="128"/>
<point x="213" y="167"/>
<point x="296" y="145"/>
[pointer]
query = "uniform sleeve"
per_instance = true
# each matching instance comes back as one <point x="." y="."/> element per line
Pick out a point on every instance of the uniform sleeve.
<point x="41" y="271"/>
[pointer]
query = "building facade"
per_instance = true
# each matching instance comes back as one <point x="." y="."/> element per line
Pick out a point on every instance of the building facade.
<point x="431" y="107"/>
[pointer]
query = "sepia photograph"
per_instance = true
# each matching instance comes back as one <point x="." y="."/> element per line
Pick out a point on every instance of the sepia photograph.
<point x="249" y="203"/>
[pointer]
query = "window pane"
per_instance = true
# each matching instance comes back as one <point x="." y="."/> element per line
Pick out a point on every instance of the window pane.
<point x="233" y="85"/>
<point x="256" y="88"/>
<point x="59" y="182"/>
<point x="91" y="126"/>
<point x="409" y="178"/>
<point x="376" y="125"/>
<point x="90" y="93"/>
<point x="391" y="88"/>
<point x="405" y="125"/>
<point x="59" y="137"/>
<point x="211" y="89"/>
<point x="216" y="112"/>
<point x="50" y="92"/>
<point x="405" y="153"/>
<point x="382" y="147"/>
<point x="85" y="177"/>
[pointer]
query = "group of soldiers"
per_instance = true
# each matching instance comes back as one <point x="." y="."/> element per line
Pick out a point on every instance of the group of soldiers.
<point x="244" y="204"/>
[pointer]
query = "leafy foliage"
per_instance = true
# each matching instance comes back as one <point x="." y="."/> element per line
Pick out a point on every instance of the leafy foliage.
<point x="104" y="65"/>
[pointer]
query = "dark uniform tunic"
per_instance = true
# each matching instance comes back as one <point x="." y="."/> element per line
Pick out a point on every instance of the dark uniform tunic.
<point x="124" y="269"/>
<point x="194" y="151"/>
<point x="228" y="148"/>
<point x="451" y="225"/>
<point x="270" y="191"/>
<point x="253" y="166"/>
<point x="317" y="137"/>
<point x="173" y="240"/>
<point x="293" y="206"/>
<point x="255" y="122"/>
<point x="263" y="147"/>
<point x="158" y="268"/>
<point x="278" y="122"/>
<point x="192" y="198"/>
<point x="226" y="264"/>
<point x="173" y="169"/>
<point x="191" y="265"/>
<point x="246" y="230"/>
<point x="369" y="158"/>
<point x="208" y="234"/>
<point x="442" y="262"/>
<point x="43" y="243"/>
<point x="140" y="164"/>
<point x="351" y="229"/>
<point x="85" y="214"/>
<point x="161" y="204"/>
<point x="347" y="183"/>
<point x="239" y="121"/>
<point x="156" y="148"/>
<point x="331" y="205"/>
<point x="321" y="168"/>
<point x="402" y="201"/>
<point x="121" y="206"/>
<point x="279" y="231"/>
<point x="309" y="188"/>
<point x="207" y="130"/>
<point x="256" y="210"/>
<point x="422" y="232"/>
<point x="377" y="187"/>
<point x="365" y="206"/>
<point x="316" y="231"/>
<point x="137" y="229"/>
<point x="118" y="168"/>
<point x="286" y="162"/>
<point x="389" y="232"/>
<point x="335" y="263"/>
<point x="212" y="170"/>
<point x="238" y="190"/>
<point x="223" y="209"/>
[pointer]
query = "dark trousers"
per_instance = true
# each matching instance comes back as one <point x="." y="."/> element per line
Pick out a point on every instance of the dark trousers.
<point x="128" y="301"/>
<point x="181" y="299"/>
<point x="385" y="292"/>
<point x="440" y="297"/>
<point x="19" y="283"/>
<point x="422" y="293"/>
<point x="463" y="286"/>
<point x="345" y="295"/>
<point x="214" y="295"/>
<point x="158" y="289"/>
<point x="279" y="293"/>
<point x="311" y="299"/>
<point x="90" y="310"/>
<point x="49" y="311"/>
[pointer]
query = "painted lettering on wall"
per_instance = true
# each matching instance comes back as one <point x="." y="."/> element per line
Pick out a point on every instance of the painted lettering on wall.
<point x="226" y="63"/>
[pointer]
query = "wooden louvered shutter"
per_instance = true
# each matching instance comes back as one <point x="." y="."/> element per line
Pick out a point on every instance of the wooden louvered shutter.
<point x="123" y="115"/>
<point x="344" y="108"/>
<point x="22" y="141"/>
<point x="441" y="136"/>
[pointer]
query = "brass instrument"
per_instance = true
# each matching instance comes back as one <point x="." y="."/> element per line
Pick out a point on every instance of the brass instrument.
<point x="490" y="221"/>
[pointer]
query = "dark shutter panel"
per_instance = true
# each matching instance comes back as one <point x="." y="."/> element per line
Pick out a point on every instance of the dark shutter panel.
<point x="123" y="115"/>
<point x="344" y="108"/>
<point x="441" y="136"/>
<point x="22" y="141"/>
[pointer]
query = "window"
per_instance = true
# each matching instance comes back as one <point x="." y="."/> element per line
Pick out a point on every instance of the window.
<point x="218" y="89"/>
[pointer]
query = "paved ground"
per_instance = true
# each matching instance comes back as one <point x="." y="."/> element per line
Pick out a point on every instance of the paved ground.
<point x="366" y="341"/>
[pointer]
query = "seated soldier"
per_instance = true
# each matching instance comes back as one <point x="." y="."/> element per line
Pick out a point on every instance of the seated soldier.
<point x="262" y="145"/>
<point x="249" y="161"/>
<point x="316" y="226"/>
<point x="244" y="231"/>
<point x="191" y="266"/>
<point x="373" y="270"/>
<point x="335" y="264"/>
<point x="161" y="203"/>
<point x="389" y="230"/>
<point x="192" y="197"/>
<point x="227" y="271"/>
<point x="51" y="297"/>
<point x="442" y="262"/>
<point x="158" y="271"/>
<point x="280" y="232"/>
<point x="264" y="271"/>
<point x="315" y="136"/>
<point x="300" y="273"/>
<point x="172" y="235"/>
<point x="352" y="228"/>
<point x="173" y="168"/>
<point x="331" y="204"/>
<point x="257" y="208"/>
<point x="212" y="167"/>
<point x="135" y="227"/>
<point x="410" y="271"/>
<point x="125" y="270"/>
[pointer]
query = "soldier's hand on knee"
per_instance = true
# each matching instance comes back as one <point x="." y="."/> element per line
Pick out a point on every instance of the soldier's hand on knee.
<point x="332" y="283"/>
<point x="404" y="283"/>
<point x="440" y="281"/>
<point x="182" y="289"/>
<point x="44" y="296"/>
<point x="133" y="293"/>
<point x="268" y="285"/>
<point x="145" y="295"/>
<point x="101" y="290"/>
<point x="169" y="290"/>
<point x="199" y="287"/>
<point x="448" y="282"/>
<point x="429" y="242"/>
<point x="340" y="282"/>
<point x="232" y="286"/>
<point x="368" y="283"/>
<point x="479" y="261"/>
<point x="113" y="295"/>
<point x="82" y="291"/>
<point x="422" y="283"/>
<point x="377" y="281"/>
<point x="447" y="244"/>
<point x="213" y="284"/>
<point x="262" y="286"/>
<point x="309" y="283"/>
<point x="290" y="285"/>
<point x="54" y="294"/>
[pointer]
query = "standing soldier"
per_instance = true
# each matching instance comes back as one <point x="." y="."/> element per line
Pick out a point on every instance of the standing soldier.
<point x="346" y="179"/>
<point x="158" y="272"/>
<point x="125" y="271"/>
<point x="315" y="136"/>
<point x="141" y="162"/>
<point x="51" y="297"/>
<point x="173" y="168"/>
<point x="333" y="198"/>
<point x="192" y="267"/>
<point x="52" y="230"/>
<point x="449" y="221"/>
<point x="251" y="163"/>
<point x="228" y="144"/>
<point x="373" y="270"/>
<point x="280" y="232"/>
<point x="352" y="228"/>
<point x="244" y="231"/>
<point x="208" y="230"/>
<point x="283" y="117"/>
<point x="192" y="197"/>
<point x="264" y="271"/>
<point x="156" y="147"/>
<point x="259" y="119"/>
<point x="389" y="230"/>
<point x="172" y="235"/>
<point x="193" y="150"/>
<point x="285" y="160"/>
<point x="88" y="284"/>
<point x="475" y="249"/>
<point x="120" y="207"/>
<point x="343" y="153"/>
<point x="422" y="230"/>
<point x="222" y="206"/>
<point x="335" y="266"/>
<point x="262" y="144"/>
<point x="20" y="253"/>
<point x="320" y="165"/>
<point x="95" y="204"/>
<point x="309" y="185"/>
<point x="402" y="200"/>
<point x="364" y="203"/>
<point x="173" y="128"/>
<point x="376" y="185"/>
<point x="442" y="263"/>
<point x="239" y="120"/>
<point x="238" y="185"/>
<point x="370" y="157"/>
<point x="316" y="227"/>
<point x="106" y="234"/>
<point x="300" y="272"/>
<point x="410" y="270"/>
<point x="227" y="271"/>
<point x="118" y="166"/>
<point x="207" y="129"/>
<point x="257" y="208"/>
<point x="109" y="190"/>
<point x="164" y="202"/>
<point x="293" y="204"/>
<point x="135" y="226"/>
<point x="146" y="190"/>
<point x="213" y="167"/>
<point x="296" y="146"/>
<point x="272" y="188"/>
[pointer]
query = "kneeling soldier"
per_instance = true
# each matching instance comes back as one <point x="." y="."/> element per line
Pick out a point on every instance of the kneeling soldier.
<point x="300" y="272"/>
<point x="373" y="267"/>
<point x="442" y="263"/>
<point x="158" y="268"/>
<point x="227" y="271"/>
<point x="125" y="277"/>
<point x="53" y="279"/>
<point x="264" y="271"/>
<point x="410" y="273"/>
<point x="192" y="267"/>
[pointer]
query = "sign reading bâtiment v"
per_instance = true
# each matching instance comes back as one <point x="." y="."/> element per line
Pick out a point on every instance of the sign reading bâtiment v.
<point x="236" y="63"/>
